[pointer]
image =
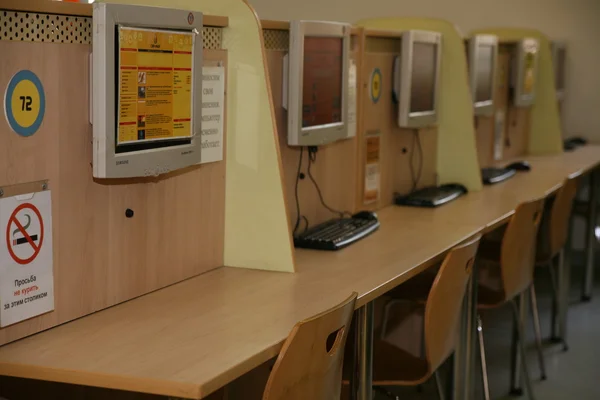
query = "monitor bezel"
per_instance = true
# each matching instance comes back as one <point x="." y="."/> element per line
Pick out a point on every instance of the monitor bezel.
<point x="107" y="162"/>
<point x="406" y="118"/>
<point x="321" y="134"/>
<point x="556" y="47"/>
<point x="486" y="107"/>
<point x="524" y="46"/>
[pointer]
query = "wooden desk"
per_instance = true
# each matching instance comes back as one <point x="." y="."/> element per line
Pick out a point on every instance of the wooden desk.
<point x="194" y="337"/>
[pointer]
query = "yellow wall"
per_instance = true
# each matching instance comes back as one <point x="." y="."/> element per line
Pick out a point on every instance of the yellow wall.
<point x="572" y="21"/>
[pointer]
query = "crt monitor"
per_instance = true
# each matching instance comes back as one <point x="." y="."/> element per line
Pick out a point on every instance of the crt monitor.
<point x="315" y="87"/>
<point x="146" y="90"/>
<point x="483" y="54"/>
<point x="524" y="72"/>
<point x="416" y="78"/>
<point x="559" y="61"/>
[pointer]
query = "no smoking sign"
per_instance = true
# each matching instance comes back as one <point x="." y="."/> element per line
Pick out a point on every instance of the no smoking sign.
<point x="26" y="275"/>
<point x="25" y="233"/>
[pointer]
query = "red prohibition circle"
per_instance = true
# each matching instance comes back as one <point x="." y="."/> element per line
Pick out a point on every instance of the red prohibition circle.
<point x="13" y="217"/>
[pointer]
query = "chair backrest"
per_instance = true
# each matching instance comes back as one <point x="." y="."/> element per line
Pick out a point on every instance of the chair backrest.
<point x="560" y="215"/>
<point x="517" y="255"/>
<point x="444" y="303"/>
<point x="310" y="363"/>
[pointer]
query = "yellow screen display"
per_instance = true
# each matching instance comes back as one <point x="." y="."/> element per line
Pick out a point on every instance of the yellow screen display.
<point x="155" y="69"/>
<point x="529" y="73"/>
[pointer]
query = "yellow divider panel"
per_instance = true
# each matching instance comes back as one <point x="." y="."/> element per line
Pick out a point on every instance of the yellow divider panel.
<point x="457" y="151"/>
<point x="256" y="226"/>
<point x="545" y="131"/>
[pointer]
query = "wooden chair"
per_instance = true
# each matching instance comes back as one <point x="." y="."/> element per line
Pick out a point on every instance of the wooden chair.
<point x="552" y="238"/>
<point x="515" y="255"/>
<point x="310" y="363"/>
<point x="443" y="299"/>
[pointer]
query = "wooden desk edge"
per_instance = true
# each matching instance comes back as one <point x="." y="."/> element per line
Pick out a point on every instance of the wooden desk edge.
<point x="83" y="10"/>
<point x="128" y="383"/>
<point x="190" y="389"/>
<point x="187" y="390"/>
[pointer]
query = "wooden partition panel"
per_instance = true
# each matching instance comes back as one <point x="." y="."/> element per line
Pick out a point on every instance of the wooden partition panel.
<point x="102" y="258"/>
<point x="517" y="122"/>
<point x="335" y="167"/>
<point x="540" y="122"/>
<point x="484" y="137"/>
<point x="398" y="146"/>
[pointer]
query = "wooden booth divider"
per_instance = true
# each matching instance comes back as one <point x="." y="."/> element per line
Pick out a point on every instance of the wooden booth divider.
<point x="534" y="130"/>
<point x="449" y="150"/>
<point x="101" y="258"/>
<point x="178" y="225"/>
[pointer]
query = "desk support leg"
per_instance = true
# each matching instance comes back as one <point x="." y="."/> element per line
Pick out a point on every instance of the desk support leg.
<point x="515" y="378"/>
<point x="465" y="354"/>
<point x="564" y="279"/>
<point x="590" y="238"/>
<point x="361" y="386"/>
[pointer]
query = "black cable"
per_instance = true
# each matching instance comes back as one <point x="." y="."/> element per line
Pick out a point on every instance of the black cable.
<point x="298" y="216"/>
<point x="305" y="227"/>
<point x="420" y="156"/>
<point x="416" y="177"/>
<point x="312" y="158"/>
<point x="411" y="164"/>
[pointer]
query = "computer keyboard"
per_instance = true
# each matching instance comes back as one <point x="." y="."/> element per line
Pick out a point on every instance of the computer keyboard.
<point x="337" y="233"/>
<point x="496" y="175"/>
<point x="573" y="143"/>
<point x="433" y="196"/>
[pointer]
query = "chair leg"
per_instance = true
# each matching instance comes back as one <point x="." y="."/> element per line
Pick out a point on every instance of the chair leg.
<point x="439" y="385"/>
<point x="553" y="320"/>
<point x="521" y="342"/>
<point x="484" y="375"/>
<point x="538" y="331"/>
<point x="386" y="312"/>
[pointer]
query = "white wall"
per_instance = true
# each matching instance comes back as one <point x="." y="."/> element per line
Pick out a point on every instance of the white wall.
<point x="576" y="22"/>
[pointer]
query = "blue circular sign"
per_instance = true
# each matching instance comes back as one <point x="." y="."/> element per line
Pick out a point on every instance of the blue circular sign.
<point x="25" y="103"/>
<point x="376" y="85"/>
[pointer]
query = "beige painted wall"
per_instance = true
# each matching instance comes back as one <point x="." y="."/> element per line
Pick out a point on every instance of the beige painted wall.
<point x="572" y="21"/>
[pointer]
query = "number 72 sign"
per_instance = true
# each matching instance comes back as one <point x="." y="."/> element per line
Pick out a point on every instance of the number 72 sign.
<point x="25" y="103"/>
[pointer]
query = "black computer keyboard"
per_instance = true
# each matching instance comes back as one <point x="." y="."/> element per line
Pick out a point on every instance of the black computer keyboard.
<point x="496" y="175"/>
<point x="432" y="196"/>
<point x="337" y="233"/>
<point x="573" y="143"/>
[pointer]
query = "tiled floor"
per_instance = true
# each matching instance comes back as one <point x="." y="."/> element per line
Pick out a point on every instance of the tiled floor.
<point x="572" y="375"/>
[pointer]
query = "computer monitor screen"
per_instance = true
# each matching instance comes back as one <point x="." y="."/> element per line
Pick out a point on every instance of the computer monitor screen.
<point x="322" y="81"/>
<point x="559" y="68"/>
<point x="146" y="89"/>
<point x="484" y="75"/>
<point x="422" y="96"/>
<point x="529" y="73"/>
<point x="155" y="88"/>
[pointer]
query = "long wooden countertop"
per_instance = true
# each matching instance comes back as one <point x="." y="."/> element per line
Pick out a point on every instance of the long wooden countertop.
<point x="194" y="337"/>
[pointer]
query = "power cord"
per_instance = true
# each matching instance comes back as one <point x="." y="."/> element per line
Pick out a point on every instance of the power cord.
<point x="416" y="177"/>
<point x="298" y="215"/>
<point x="312" y="158"/>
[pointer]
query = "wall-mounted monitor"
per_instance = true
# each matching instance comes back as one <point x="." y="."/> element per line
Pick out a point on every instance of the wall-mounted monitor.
<point x="483" y="57"/>
<point x="315" y="84"/>
<point x="417" y="78"/>
<point x="524" y="72"/>
<point x="146" y="90"/>
<point x="559" y="62"/>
